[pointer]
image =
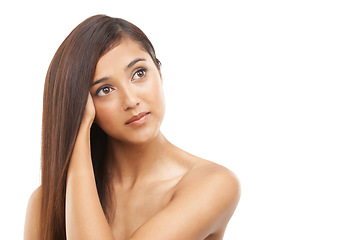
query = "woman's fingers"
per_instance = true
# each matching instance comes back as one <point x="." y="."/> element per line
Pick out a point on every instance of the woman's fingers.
<point x="89" y="113"/>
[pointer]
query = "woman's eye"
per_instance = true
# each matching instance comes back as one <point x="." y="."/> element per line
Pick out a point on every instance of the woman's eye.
<point x="139" y="74"/>
<point x="104" y="91"/>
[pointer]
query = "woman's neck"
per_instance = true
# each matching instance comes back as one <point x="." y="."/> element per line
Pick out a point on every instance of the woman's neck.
<point x="135" y="164"/>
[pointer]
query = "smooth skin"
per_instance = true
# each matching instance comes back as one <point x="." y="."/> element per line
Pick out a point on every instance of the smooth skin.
<point x="161" y="192"/>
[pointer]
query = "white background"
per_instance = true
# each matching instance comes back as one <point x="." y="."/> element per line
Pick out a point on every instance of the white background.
<point x="269" y="89"/>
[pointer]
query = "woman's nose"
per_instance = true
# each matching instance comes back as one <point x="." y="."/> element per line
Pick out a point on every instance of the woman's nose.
<point x="129" y="99"/>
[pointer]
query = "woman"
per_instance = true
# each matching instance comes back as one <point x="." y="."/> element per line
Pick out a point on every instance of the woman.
<point x="107" y="170"/>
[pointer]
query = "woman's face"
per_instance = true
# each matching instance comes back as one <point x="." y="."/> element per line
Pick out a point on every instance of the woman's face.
<point x="127" y="83"/>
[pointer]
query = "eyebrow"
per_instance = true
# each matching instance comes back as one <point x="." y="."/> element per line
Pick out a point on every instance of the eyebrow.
<point x="100" y="80"/>
<point x="132" y="63"/>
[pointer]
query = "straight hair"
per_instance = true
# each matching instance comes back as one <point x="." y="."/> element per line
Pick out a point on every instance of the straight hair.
<point x="66" y="89"/>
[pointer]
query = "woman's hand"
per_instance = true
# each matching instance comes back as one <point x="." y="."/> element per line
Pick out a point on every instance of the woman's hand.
<point x="89" y="113"/>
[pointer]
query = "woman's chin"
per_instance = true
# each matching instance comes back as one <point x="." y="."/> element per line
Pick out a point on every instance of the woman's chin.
<point x="137" y="139"/>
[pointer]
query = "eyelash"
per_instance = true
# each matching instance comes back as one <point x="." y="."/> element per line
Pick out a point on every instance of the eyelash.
<point x="102" y="88"/>
<point x="107" y="86"/>
<point x="140" y="70"/>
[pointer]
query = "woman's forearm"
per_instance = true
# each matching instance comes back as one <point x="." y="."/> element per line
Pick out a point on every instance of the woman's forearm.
<point x="85" y="218"/>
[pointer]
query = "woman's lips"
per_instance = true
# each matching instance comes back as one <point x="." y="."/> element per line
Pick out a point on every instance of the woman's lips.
<point x="138" y="119"/>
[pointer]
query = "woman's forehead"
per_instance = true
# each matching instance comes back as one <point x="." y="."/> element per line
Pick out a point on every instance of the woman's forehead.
<point x="123" y="56"/>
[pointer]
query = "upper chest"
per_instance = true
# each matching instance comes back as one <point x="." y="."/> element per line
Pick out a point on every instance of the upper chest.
<point x="133" y="208"/>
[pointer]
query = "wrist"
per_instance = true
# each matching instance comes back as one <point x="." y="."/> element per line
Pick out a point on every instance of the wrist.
<point x="85" y="127"/>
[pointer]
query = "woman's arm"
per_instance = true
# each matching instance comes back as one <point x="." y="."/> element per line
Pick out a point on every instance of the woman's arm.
<point x="32" y="220"/>
<point x="202" y="205"/>
<point x="85" y="218"/>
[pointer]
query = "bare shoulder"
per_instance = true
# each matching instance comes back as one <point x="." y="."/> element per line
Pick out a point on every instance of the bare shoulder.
<point x="32" y="221"/>
<point x="213" y="188"/>
<point x="214" y="178"/>
<point x="202" y="203"/>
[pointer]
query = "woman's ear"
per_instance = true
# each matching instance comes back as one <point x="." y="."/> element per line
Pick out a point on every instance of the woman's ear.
<point x="158" y="63"/>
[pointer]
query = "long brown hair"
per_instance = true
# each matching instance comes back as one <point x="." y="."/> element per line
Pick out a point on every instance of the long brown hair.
<point x="67" y="85"/>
